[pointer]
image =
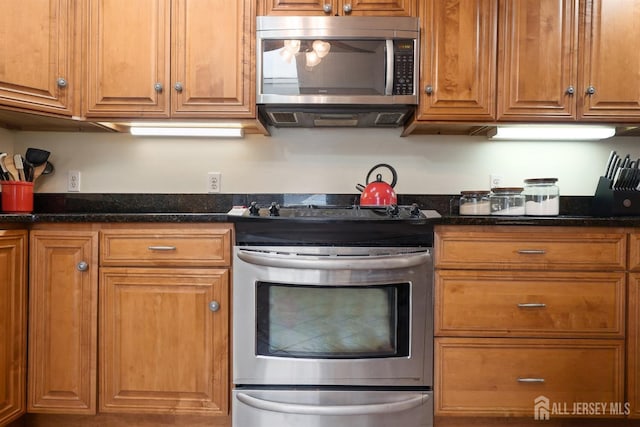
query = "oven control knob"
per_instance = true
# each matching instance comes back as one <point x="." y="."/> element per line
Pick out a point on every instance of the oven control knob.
<point x="274" y="210"/>
<point x="253" y="209"/>
<point x="415" y="211"/>
<point x="393" y="210"/>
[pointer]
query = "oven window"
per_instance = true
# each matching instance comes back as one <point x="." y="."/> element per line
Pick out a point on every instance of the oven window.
<point x="338" y="322"/>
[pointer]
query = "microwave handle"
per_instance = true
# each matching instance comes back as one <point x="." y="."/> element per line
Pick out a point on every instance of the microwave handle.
<point x="388" y="89"/>
<point x="378" y="262"/>
<point x="336" y="410"/>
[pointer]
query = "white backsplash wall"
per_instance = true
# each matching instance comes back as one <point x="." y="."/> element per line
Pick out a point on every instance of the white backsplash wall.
<point x="313" y="161"/>
<point x="6" y="141"/>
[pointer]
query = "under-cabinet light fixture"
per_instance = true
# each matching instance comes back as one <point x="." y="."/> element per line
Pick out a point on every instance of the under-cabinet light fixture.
<point x="196" y="131"/>
<point x="552" y="132"/>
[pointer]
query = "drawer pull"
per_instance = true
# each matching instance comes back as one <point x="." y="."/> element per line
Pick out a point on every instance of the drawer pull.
<point x="530" y="380"/>
<point x="532" y="251"/>
<point x="532" y="305"/>
<point x="162" y="248"/>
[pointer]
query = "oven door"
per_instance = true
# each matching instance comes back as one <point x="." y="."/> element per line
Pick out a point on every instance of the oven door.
<point x="333" y="316"/>
<point x="332" y="408"/>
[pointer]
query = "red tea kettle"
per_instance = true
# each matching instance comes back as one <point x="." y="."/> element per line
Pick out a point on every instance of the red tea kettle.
<point x="378" y="192"/>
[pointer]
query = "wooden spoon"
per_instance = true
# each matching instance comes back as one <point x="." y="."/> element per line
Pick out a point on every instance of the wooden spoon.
<point x="11" y="167"/>
<point x="37" y="171"/>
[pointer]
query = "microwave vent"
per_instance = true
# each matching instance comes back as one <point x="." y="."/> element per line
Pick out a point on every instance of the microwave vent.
<point x="335" y="120"/>
<point x="389" y="119"/>
<point x="284" y="117"/>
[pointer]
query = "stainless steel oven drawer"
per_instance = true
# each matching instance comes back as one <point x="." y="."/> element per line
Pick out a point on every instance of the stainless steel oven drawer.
<point x="332" y="408"/>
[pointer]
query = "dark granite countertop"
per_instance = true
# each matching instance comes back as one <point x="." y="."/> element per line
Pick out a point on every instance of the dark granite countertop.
<point x="181" y="217"/>
<point x="185" y="208"/>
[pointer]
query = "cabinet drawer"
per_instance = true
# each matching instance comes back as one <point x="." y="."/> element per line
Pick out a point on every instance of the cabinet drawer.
<point x="504" y="376"/>
<point x="528" y="304"/>
<point x="542" y="248"/>
<point x="166" y="247"/>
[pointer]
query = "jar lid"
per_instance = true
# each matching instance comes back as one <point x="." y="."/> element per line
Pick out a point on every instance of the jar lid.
<point x="541" y="180"/>
<point x="507" y="190"/>
<point x="474" y="193"/>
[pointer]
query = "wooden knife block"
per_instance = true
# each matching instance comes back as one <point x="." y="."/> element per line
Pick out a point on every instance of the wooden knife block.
<point x="610" y="202"/>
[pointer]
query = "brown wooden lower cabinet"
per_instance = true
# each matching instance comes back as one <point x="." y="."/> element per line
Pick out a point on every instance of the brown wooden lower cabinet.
<point x="163" y="347"/>
<point x="63" y="306"/>
<point x="633" y="342"/>
<point x="505" y="376"/>
<point x="13" y="324"/>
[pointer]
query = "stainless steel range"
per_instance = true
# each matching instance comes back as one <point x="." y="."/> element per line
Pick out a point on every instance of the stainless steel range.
<point x="333" y="319"/>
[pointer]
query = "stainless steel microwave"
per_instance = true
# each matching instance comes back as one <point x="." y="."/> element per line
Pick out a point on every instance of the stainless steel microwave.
<point x="337" y="63"/>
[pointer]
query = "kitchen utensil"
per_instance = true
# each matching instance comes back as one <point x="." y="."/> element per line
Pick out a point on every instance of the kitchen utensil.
<point x="28" y="170"/>
<point x="36" y="156"/>
<point x="11" y="167"/>
<point x="378" y="192"/>
<point x="17" y="161"/>
<point x="48" y="168"/>
<point x="610" y="161"/>
<point x="38" y="170"/>
<point x="4" y="172"/>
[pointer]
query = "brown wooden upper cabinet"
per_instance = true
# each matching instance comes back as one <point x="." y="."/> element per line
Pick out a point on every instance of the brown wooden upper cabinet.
<point x="36" y="67"/>
<point x="557" y="60"/>
<point x="458" y="59"/>
<point x="338" y="7"/>
<point x="169" y="58"/>
<point x="609" y="61"/>
<point x="538" y="61"/>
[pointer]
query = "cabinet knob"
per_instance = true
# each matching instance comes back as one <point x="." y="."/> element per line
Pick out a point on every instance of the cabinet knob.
<point x="591" y="90"/>
<point x="570" y="90"/>
<point x="178" y="87"/>
<point x="62" y="82"/>
<point x="158" y="87"/>
<point x="327" y="8"/>
<point x="214" y="306"/>
<point x="82" y="266"/>
<point x="347" y="8"/>
<point x="428" y="89"/>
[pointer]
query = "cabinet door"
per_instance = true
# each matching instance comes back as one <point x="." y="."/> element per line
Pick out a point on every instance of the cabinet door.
<point x="128" y="58"/>
<point x="163" y="347"/>
<point x="537" y="75"/>
<point x="211" y="58"/>
<point x="13" y="333"/>
<point x="36" y="45"/>
<point x="62" y="321"/>
<point x="378" y="7"/>
<point x="458" y="59"/>
<point x="297" y="7"/>
<point x="610" y="61"/>
<point x="633" y="345"/>
<point x="338" y="7"/>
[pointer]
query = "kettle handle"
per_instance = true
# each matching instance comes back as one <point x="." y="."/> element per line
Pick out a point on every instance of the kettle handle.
<point x="393" y="173"/>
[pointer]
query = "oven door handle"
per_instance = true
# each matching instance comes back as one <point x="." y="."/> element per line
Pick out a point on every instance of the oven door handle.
<point x="338" y="410"/>
<point x="375" y="262"/>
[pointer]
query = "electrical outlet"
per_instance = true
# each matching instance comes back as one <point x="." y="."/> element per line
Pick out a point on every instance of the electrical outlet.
<point x="73" y="181"/>
<point x="495" y="180"/>
<point x="213" y="182"/>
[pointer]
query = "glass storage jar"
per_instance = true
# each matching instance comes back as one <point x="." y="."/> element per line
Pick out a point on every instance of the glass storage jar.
<point x="542" y="196"/>
<point x="474" y="203"/>
<point x="507" y="201"/>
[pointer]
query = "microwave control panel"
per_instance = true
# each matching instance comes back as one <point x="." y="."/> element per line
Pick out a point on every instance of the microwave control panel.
<point x="403" y="67"/>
